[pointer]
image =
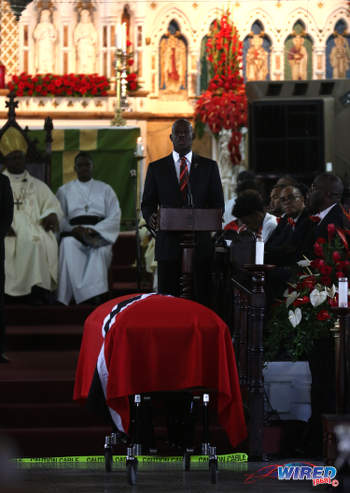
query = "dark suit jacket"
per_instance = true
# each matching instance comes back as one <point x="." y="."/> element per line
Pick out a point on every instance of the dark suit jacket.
<point x="335" y="216"/>
<point x="286" y="244"/>
<point x="162" y="189"/>
<point x="6" y="216"/>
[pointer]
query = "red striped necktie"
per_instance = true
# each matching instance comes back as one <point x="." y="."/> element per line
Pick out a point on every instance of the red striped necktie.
<point x="183" y="182"/>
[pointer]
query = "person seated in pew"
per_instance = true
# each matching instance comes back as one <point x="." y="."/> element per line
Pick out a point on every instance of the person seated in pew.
<point x="274" y="206"/>
<point x="285" y="245"/>
<point x="250" y="210"/>
<point x="242" y="178"/>
<point x="90" y="226"/>
<point x="31" y="250"/>
<point x="241" y="187"/>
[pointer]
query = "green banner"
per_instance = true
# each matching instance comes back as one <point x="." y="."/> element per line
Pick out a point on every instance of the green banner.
<point x="112" y="151"/>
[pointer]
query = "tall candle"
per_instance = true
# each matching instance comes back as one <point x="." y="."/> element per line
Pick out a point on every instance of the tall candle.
<point x="329" y="167"/>
<point x="343" y="292"/>
<point x="139" y="147"/>
<point x="124" y="37"/>
<point x="259" y="251"/>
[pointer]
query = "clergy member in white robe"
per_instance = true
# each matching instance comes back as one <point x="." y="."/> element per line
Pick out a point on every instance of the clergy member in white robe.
<point x="31" y="250"/>
<point x="90" y="227"/>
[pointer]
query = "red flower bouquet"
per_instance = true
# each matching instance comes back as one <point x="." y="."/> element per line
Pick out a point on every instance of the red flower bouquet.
<point x="132" y="77"/>
<point x="224" y="104"/>
<point x="75" y="85"/>
<point x="305" y="315"/>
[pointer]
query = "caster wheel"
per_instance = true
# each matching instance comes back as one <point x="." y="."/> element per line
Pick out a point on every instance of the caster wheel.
<point x="108" y="459"/>
<point x="212" y="470"/>
<point x="131" y="469"/>
<point x="187" y="461"/>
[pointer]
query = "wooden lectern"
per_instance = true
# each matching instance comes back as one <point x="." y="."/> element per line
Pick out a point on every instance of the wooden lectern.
<point x="189" y="221"/>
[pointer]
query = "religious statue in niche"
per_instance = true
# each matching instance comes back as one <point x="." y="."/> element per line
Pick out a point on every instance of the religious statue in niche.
<point x="173" y="61"/>
<point x="297" y="58"/>
<point x="339" y="56"/>
<point x="85" y="39"/>
<point x="45" y="36"/>
<point x="257" y="58"/>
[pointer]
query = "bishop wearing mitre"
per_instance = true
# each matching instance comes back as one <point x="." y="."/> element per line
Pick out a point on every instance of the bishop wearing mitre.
<point x="31" y="250"/>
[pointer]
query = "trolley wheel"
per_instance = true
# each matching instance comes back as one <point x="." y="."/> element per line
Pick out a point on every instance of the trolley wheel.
<point x="108" y="459"/>
<point x="131" y="469"/>
<point x="212" y="470"/>
<point x="187" y="461"/>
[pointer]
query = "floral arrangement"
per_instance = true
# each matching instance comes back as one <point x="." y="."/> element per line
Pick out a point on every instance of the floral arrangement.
<point x="132" y="76"/>
<point x="224" y="104"/>
<point x="305" y="315"/>
<point x="76" y="85"/>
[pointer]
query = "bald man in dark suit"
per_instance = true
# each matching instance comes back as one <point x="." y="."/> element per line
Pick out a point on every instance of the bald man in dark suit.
<point x="162" y="189"/>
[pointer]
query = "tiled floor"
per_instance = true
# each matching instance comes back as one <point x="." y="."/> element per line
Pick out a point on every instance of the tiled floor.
<point x="92" y="478"/>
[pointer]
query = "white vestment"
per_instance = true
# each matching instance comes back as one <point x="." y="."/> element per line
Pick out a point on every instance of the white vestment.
<point x="31" y="257"/>
<point x="83" y="270"/>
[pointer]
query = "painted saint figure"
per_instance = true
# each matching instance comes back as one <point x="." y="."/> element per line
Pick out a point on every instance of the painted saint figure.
<point x="45" y="37"/>
<point x="85" y="39"/>
<point x="297" y="58"/>
<point x="172" y="63"/>
<point x="340" y="57"/>
<point x="257" y="59"/>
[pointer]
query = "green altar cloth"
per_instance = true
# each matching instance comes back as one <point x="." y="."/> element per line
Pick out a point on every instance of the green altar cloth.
<point x="112" y="151"/>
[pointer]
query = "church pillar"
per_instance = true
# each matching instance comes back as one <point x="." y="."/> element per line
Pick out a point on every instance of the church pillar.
<point x="319" y="62"/>
<point x="277" y="64"/>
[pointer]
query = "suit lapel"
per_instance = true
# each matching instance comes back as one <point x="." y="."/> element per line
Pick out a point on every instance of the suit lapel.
<point x="194" y="167"/>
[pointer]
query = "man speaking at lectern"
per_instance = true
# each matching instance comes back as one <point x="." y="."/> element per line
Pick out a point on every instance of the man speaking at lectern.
<point x="182" y="179"/>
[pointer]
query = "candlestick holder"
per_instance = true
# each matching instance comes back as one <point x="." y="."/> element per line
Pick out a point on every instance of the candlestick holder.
<point x="341" y="335"/>
<point x="121" y="83"/>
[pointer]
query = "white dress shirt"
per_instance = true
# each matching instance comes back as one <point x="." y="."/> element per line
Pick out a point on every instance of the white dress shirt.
<point x="324" y="213"/>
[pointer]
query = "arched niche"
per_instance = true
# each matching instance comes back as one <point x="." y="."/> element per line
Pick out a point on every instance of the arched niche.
<point x="173" y="50"/>
<point x="256" y="53"/>
<point x="338" y="52"/>
<point x="298" y="54"/>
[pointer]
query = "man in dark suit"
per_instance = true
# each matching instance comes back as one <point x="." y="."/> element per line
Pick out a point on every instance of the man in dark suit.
<point x="324" y="201"/>
<point x="284" y="246"/>
<point x="164" y="188"/>
<point x="6" y="208"/>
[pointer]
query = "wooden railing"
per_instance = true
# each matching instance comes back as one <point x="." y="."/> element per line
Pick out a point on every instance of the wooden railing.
<point x="240" y="301"/>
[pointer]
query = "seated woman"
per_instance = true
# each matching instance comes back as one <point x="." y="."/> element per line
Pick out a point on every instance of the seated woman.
<point x="250" y="210"/>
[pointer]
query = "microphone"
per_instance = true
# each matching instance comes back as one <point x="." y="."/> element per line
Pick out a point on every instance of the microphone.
<point x="189" y="195"/>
